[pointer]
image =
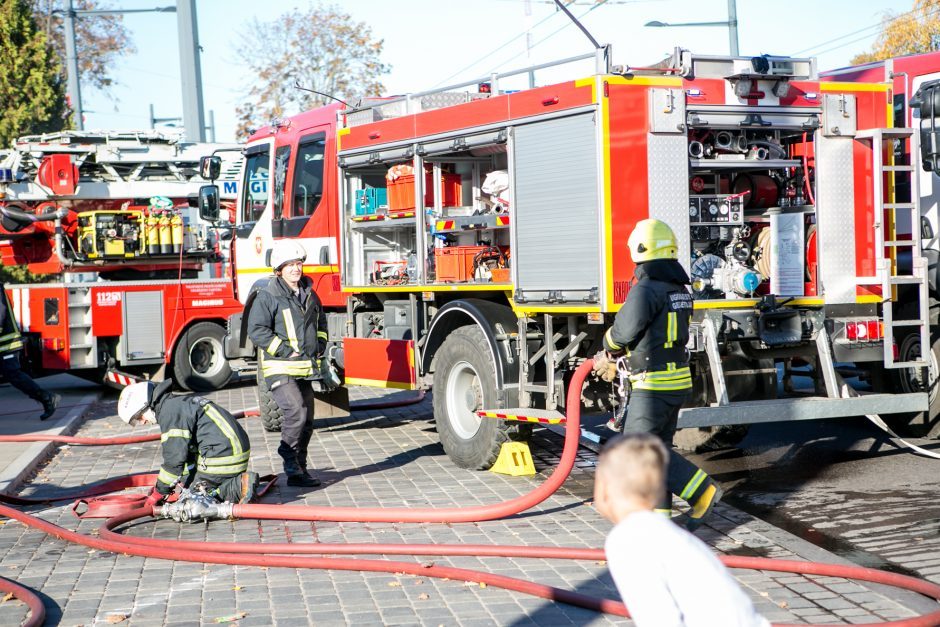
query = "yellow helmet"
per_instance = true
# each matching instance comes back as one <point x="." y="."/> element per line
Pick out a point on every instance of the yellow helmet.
<point x="652" y="239"/>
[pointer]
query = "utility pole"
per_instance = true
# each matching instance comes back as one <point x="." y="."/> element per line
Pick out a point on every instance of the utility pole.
<point x="190" y="71"/>
<point x="733" y="27"/>
<point x="71" y="64"/>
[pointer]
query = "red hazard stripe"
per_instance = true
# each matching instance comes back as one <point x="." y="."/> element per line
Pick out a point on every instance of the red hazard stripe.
<point x="546" y="421"/>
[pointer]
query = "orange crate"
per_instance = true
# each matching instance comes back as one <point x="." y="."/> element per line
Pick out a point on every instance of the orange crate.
<point x="455" y="263"/>
<point x="401" y="191"/>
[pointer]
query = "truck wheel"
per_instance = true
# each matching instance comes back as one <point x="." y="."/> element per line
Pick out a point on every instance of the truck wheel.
<point x="465" y="382"/>
<point x="270" y="412"/>
<point x="920" y="424"/>
<point x="199" y="362"/>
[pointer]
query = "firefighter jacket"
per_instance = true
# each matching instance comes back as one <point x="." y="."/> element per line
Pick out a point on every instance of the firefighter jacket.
<point x="282" y="323"/>
<point x="652" y="327"/>
<point x="10" y="337"/>
<point x="196" y="434"/>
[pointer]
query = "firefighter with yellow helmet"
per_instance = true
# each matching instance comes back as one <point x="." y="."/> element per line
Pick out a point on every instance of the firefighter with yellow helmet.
<point x="651" y="332"/>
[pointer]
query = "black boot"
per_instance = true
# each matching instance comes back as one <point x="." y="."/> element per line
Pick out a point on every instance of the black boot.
<point x="49" y="403"/>
<point x="296" y="475"/>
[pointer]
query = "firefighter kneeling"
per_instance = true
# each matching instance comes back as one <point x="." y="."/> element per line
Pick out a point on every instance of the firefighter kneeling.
<point x="204" y="447"/>
<point x="652" y="330"/>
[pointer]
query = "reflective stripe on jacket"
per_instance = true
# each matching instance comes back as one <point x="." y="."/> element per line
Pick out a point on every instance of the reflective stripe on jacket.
<point x="652" y="327"/>
<point x="282" y="323"/>
<point x="10" y="337"/>
<point x="195" y="432"/>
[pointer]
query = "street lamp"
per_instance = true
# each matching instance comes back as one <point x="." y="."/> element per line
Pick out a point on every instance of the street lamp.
<point x="731" y="23"/>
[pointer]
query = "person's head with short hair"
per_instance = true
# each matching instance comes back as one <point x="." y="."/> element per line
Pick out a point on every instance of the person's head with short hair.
<point x="630" y="475"/>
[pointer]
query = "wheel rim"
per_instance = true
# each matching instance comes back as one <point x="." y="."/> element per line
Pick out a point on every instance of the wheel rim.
<point x="205" y="357"/>
<point x="464" y="397"/>
<point x="912" y="379"/>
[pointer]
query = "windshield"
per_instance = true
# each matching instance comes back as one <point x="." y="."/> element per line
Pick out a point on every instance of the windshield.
<point x="257" y="172"/>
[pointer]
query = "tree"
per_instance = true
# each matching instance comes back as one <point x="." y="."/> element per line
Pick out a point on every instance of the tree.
<point x="908" y="33"/>
<point x="32" y="92"/>
<point x="99" y="39"/>
<point x="322" y="48"/>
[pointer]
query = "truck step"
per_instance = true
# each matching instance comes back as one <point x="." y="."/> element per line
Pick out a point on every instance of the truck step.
<point x="525" y="414"/>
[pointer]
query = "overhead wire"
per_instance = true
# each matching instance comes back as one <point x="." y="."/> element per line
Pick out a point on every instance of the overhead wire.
<point x="881" y="24"/>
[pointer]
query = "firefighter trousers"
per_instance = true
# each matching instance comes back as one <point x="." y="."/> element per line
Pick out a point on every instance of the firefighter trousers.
<point x="295" y="399"/>
<point x="238" y="488"/>
<point x="11" y="371"/>
<point x="657" y="413"/>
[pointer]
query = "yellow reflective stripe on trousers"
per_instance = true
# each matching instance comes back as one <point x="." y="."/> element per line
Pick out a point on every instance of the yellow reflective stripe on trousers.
<point x="290" y="368"/>
<point x="610" y="342"/>
<point x="671" y="330"/>
<point x="225" y="428"/>
<point x="693" y="485"/>
<point x="167" y="478"/>
<point x="291" y="331"/>
<point x="323" y="335"/>
<point x="274" y="345"/>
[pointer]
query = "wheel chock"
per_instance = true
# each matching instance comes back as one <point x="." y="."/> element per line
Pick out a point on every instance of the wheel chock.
<point x="514" y="459"/>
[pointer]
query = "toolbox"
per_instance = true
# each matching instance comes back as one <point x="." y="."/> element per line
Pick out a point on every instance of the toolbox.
<point x="455" y="263"/>
<point x="369" y="200"/>
<point x="401" y="191"/>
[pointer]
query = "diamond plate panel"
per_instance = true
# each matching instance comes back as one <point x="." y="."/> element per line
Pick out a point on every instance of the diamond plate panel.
<point x="668" y="160"/>
<point x="835" y="218"/>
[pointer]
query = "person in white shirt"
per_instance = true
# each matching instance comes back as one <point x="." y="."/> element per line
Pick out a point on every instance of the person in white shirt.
<point x="666" y="576"/>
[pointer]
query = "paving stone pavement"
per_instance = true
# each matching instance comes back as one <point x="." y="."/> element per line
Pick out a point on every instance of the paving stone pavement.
<point x="388" y="458"/>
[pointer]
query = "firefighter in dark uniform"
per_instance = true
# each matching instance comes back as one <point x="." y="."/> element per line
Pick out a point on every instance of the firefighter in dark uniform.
<point x="11" y="343"/>
<point x="288" y="325"/>
<point x="204" y="447"/>
<point x="652" y="330"/>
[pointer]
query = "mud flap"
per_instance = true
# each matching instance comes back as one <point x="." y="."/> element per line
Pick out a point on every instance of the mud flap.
<point x="333" y="404"/>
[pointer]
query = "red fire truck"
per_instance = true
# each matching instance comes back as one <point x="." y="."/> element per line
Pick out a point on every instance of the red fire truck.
<point x="476" y="241"/>
<point x="143" y="287"/>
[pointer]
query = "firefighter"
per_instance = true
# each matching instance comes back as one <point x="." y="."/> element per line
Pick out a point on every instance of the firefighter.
<point x="651" y="331"/>
<point x="288" y="325"/>
<point x="11" y="343"/>
<point x="204" y="447"/>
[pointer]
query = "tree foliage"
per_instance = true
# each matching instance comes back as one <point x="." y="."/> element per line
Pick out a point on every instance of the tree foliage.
<point x="912" y="32"/>
<point x="32" y="91"/>
<point x="321" y="47"/>
<point x="99" y="39"/>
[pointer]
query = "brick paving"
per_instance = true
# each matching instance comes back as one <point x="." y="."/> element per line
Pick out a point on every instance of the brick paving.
<point x="387" y="458"/>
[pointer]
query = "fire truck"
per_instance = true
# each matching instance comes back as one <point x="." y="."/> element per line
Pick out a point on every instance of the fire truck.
<point x="905" y="77"/>
<point x="477" y="241"/>
<point x="142" y="291"/>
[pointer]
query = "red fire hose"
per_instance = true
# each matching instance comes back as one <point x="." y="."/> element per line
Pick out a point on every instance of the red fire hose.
<point x="258" y="554"/>
<point x="37" y="612"/>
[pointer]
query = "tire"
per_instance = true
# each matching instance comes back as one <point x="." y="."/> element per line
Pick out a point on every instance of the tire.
<point x="270" y="413"/>
<point x="199" y="363"/>
<point x="919" y="424"/>
<point x="464" y="382"/>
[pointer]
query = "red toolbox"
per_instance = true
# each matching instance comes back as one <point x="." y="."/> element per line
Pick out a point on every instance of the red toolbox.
<point x="401" y="191"/>
<point x="455" y="263"/>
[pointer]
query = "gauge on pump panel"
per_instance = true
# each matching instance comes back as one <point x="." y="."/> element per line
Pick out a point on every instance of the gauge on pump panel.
<point x="713" y="209"/>
<point x="693" y="210"/>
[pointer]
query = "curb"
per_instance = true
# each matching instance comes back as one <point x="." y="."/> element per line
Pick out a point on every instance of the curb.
<point x="16" y="473"/>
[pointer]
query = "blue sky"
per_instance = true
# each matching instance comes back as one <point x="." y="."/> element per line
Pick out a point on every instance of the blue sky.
<point x="433" y="42"/>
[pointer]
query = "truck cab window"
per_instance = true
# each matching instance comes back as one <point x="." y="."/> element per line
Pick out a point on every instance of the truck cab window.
<point x="281" y="159"/>
<point x="257" y="173"/>
<point x="308" y="175"/>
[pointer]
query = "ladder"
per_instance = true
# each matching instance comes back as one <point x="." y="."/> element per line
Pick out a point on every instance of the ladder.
<point x="887" y="244"/>
<point x="82" y="343"/>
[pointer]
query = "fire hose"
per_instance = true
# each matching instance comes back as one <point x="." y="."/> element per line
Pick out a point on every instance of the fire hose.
<point x="273" y="555"/>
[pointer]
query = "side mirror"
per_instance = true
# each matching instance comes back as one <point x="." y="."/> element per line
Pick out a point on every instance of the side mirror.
<point x="209" y="203"/>
<point x="927" y="102"/>
<point x="210" y="167"/>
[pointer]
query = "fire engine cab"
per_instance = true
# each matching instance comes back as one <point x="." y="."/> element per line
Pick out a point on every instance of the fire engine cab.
<point x="477" y="241"/>
<point x="143" y="285"/>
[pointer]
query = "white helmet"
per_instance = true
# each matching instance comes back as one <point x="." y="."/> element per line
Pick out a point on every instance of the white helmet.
<point x="134" y="400"/>
<point x="286" y="250"/>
